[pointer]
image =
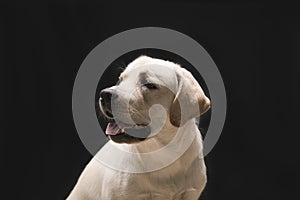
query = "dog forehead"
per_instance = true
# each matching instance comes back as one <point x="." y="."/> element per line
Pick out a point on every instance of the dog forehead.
<point x="155" y="70"/>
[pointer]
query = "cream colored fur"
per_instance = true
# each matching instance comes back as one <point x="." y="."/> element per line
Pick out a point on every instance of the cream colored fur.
<point x="183" y="179"/>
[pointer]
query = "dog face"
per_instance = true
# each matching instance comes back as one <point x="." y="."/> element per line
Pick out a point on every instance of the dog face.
<point x="147" y="82"/>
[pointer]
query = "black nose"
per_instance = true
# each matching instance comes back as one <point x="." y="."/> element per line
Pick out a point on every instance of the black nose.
<point x="106" y="97"/>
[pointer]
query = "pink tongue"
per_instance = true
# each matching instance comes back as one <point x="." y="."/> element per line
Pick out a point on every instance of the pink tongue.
<point x="112" y="129"/>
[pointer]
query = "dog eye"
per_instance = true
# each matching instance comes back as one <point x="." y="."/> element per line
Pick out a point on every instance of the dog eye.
<point x="150" y="86"/>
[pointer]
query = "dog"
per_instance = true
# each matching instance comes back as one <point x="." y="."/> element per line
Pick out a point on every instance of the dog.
<point x="152" y="107"/>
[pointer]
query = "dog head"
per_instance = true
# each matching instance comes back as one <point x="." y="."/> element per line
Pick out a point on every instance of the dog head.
<point x="145" y="83"/>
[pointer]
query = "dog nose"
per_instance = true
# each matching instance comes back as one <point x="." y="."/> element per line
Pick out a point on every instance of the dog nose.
<point x="106" y="96"/>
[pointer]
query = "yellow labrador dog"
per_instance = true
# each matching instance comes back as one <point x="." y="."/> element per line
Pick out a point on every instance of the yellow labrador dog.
<point x="155" y="147"/>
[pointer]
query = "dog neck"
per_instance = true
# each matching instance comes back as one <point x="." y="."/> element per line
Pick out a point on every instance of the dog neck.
<point x="153" y="153"/>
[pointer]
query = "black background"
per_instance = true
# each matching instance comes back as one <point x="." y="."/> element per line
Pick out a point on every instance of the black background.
<point x="255" y="46"/>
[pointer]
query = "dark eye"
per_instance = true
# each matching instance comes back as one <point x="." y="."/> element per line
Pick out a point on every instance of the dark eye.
<point x="150" y="86"/>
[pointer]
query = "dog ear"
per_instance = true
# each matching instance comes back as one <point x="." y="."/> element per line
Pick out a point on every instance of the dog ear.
<point x="190" y="100"/>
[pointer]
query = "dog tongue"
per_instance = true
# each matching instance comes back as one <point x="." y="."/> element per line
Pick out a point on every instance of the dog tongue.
<point x="112" y="129"/>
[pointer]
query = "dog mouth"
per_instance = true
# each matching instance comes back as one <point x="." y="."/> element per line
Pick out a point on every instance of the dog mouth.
<point x="115" y="128"/>
<point x="121" y="132"/>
